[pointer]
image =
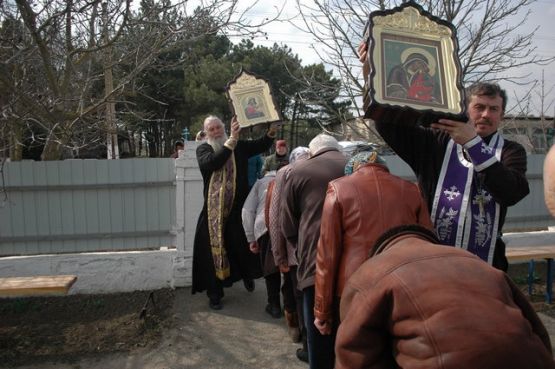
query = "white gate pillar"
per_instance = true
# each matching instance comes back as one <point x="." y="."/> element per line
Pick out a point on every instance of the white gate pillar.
<point x="188" y="204"/>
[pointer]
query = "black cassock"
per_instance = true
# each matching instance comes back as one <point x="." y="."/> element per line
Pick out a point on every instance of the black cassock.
<point x="243" y="263"/>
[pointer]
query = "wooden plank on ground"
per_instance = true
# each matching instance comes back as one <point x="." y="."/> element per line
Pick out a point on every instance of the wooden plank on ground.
<point x="37" y="285"/>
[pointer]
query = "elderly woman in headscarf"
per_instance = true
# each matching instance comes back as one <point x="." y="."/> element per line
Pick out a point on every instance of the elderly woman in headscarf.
<point x="358" y="208"/>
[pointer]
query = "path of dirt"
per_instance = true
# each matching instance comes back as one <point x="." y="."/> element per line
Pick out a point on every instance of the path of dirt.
<point x="178" y="331"/>
<point x="104" y="332"/>
<point x="67" y="328"/>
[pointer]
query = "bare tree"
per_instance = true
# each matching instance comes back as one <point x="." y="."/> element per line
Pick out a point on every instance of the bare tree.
<point x="68" y="62"/>
<point x="490" y="44"/>
<point x="534" y="131"/>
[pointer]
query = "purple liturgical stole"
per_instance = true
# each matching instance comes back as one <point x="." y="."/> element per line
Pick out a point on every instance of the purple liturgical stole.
<point x="464" y="213"/>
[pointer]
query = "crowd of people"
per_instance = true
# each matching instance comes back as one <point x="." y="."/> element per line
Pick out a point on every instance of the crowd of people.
<point x="359" y="254"/>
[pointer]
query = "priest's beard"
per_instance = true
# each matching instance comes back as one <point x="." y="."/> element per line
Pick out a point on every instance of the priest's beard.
<point x="217" y="143"/>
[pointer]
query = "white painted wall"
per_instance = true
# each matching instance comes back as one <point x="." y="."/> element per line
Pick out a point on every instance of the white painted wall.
<point x="108" y="272"/>
<point x="99" y="272"/>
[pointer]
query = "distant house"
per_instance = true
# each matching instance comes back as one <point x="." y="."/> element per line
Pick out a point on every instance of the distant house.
<point x="534" y="133"/>
<point x="358" y="129"/>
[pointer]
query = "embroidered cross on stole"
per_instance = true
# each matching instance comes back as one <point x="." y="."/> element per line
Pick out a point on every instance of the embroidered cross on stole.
<point x="463" y="212"/>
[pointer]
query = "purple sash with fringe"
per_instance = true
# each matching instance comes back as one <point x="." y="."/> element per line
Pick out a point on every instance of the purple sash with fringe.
<point x="464" y="212"/>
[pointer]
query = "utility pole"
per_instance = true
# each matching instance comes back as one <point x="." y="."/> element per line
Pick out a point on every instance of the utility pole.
<point x="292" y="136"/>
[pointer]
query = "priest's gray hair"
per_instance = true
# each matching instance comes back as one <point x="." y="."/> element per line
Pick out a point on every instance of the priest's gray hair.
<point x="216" y="143"/>
<point x="209" y="119"/>
<point x="322" y="141"/>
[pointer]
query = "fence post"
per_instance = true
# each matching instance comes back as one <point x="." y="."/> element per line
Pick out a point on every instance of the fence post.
<point x="188" y="205"/>
<point x="179" y="278"/>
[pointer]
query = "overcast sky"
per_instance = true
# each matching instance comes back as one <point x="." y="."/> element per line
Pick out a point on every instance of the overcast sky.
<point x="543" y="15"/>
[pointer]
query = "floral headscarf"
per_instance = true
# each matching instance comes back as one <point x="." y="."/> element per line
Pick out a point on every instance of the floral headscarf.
<point x="362" y="158"/>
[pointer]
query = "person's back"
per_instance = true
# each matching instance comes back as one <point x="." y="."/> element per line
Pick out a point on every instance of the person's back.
<point x="304" y="195"/>
<point x="309" y="180"/>
<point x="253" y="208"/>
<point x="420" y="305"/>
<point x="357" y="209"/>
<point x="284" y="253"/>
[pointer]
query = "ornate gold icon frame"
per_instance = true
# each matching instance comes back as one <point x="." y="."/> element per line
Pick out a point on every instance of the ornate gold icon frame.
<point x="251" y="100"/>
<point x="412" y="64"/>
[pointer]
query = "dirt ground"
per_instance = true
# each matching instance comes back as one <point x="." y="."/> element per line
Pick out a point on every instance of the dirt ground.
<point x="70" y="328"/>
<point x="519" y="274"/>
<point x="49" y="329"/>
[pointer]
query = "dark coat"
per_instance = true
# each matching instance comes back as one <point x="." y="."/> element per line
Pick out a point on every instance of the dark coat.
<point x="304" y="194"/>
<point x="243" y="263"/>
<point x="274" y="162"/>
<point x="421" y="305"/>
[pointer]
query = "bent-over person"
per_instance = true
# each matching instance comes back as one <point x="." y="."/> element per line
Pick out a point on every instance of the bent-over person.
<point x="303" y="195"/>
<point x="285" y="256"/>
<point x="358" y="208"/>
<point x="414" y="304"/>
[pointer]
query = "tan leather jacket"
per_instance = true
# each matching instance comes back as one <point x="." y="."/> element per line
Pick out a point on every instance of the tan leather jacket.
<point x="357" y="210"/>
<point x="422" y="305"/>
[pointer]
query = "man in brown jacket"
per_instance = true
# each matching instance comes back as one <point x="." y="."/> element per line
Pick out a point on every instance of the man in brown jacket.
<point x="303" y="196"/>
<point x="357" y="210"/>
<point x="415" y="304"/>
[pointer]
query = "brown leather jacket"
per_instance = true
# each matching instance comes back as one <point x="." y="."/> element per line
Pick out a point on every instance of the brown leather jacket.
<point x="357" y="210"/>
<point x="422" y="305"/>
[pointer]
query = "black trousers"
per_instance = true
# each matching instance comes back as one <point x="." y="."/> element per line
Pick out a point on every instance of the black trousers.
<point x="272" y="277"/>
<point x="288" y="292"/>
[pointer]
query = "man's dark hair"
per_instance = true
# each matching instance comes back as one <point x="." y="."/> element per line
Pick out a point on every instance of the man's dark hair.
<point x="179" y="143"/>
<point x="486" y="89"/>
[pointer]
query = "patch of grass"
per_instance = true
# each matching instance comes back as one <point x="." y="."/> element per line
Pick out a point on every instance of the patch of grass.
<point x="98" y="303"/>
<point x="519" y="275"/>
<point x="18" y="306"/>
<point x="524" y="279"/>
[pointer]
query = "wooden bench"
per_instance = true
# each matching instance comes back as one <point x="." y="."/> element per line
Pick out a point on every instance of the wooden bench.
<point x="36" y="286"/>
<point x="531" y="254"/>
